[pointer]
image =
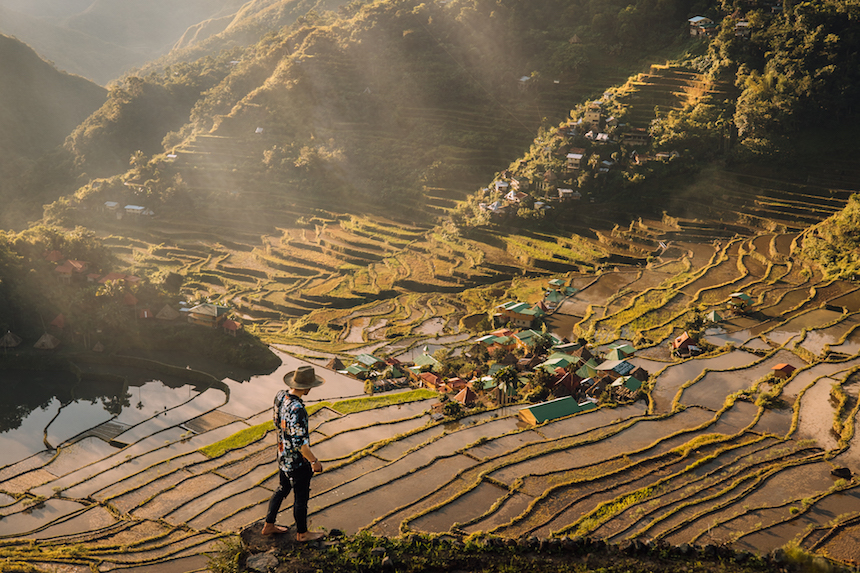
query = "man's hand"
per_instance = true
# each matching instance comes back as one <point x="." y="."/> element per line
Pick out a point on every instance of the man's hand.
<point x="316" y="465"/>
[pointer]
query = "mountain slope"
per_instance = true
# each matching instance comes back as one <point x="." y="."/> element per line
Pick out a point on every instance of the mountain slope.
<point x="103" y="39"/>
<point x="39" y="105"/>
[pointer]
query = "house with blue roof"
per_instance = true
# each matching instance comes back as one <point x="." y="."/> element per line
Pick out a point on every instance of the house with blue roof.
<point x="615" y="368"/>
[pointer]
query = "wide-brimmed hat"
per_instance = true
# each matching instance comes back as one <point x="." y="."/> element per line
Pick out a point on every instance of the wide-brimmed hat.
<point x="303" y="378"/>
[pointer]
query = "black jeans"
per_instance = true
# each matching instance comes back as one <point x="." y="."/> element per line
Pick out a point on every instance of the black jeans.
<point x="299" y="481"/>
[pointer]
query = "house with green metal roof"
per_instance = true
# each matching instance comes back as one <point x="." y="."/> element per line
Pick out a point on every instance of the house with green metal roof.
<point x="740" y="300"/>
<point x="425" y="363"/>
<point x="559" y="360"/>
<point x="631" y="383"/>
<point x="369" y="360"/>
<point x="615" y="354"/>
<point x="553" y="298"/>
<point x="358" y="371"/>
<point x="588" y="370"/>
<point x="519" y="314"/>
<point x="557" y="283"/>
<point x="526" y="338"/>
<point x="627" y="349"/>
<point x="535" y="414"/>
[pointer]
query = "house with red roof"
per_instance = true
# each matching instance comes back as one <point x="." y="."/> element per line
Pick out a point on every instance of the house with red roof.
<point x="231" y="327"/>
<point x="783" y="371"/>
<point x="466" y="397"/>
<point x="430" y="380"/>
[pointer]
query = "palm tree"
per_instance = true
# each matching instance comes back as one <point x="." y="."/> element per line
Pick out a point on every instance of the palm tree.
<point x="506" y="379"/>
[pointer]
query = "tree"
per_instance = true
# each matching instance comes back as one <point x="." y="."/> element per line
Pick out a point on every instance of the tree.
<point x="507" y="380"/>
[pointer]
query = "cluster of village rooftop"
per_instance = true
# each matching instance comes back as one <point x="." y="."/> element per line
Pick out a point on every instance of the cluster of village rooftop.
<point x="515" y="188"/>
<point x="579" y="377"/>
<point x="68" y="271"/>
<point x="598" y="130"/>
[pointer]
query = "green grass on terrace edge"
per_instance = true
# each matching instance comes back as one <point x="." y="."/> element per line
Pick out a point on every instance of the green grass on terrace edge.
<point x="250" y="435"/>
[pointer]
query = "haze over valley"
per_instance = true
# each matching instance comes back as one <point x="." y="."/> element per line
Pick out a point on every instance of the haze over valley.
<point x="510" y="206"/>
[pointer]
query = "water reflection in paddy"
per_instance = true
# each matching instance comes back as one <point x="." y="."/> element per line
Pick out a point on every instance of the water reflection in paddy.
<point x="711" y="390"/>
<point x="851" y="345"/>
<point x="816" y="340"/>
<point x="673" y="377"/>
<point x="810" y="320"/>
<point x="719" y="337"/>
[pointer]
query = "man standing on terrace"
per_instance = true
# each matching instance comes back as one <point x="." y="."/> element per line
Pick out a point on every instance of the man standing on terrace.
<point x="296" y="463"/>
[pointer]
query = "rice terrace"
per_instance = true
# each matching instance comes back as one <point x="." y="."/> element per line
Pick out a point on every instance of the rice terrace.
<point x="580" y="335"/>
<point x="715" y="450"/>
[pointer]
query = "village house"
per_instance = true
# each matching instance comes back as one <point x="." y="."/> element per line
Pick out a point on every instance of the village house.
<point x="636" y="136"/>
<point x="520" y="183"/>
<point x="528" y="363"/>
<point x="425" y="363"/>
<point x="64" y="271"/>
<point x="625" y="388"/>
<point x="370" y="361"/>
<point x="138" y="210"/>
<point x="70" y="269"/>
<point x="455" y="384"/>
<point x="10" y="340"/>
<point x="358" y="370"/>
<point x="59" y="321"/>
<point x="623" y="349"/>
<point x="588" y="369"/>
<point x="430" y="381"/>
<point x="684" y="346"/>
<point x="739" y="302"/>
<point x="701" y="26"/>
<point x="572" y="348"/>
<point x="515" y="196"/>
<point x="167" y="312"/>
<point x="519" y="314"/>
<point x="493" y="343"/>
<point x="526" y="339"/>
<point x="54" y="256"/>
<point x="553" y="298"/>
<point x="559" y="360"/>
<point x="593" y="115"/>
<point x="560" y="407"/>
<point x="575" y="158"/>
<point x="565" y="384"/>
<point x="231" y="327"/>
<point x="615" y="368"/>
<point x="783" y="371"/>
<point x="208" y="314"/>
<point x="466" y="397"/>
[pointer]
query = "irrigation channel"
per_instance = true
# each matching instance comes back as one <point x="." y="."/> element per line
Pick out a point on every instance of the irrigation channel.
<point x="719" y="451"/>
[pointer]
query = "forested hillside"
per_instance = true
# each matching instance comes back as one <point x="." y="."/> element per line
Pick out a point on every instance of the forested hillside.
<point x="39" y="107"/>
<point x="338" y="95"/>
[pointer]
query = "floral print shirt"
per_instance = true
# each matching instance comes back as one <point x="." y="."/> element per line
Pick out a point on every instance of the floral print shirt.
<point x="291" y="422"/>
